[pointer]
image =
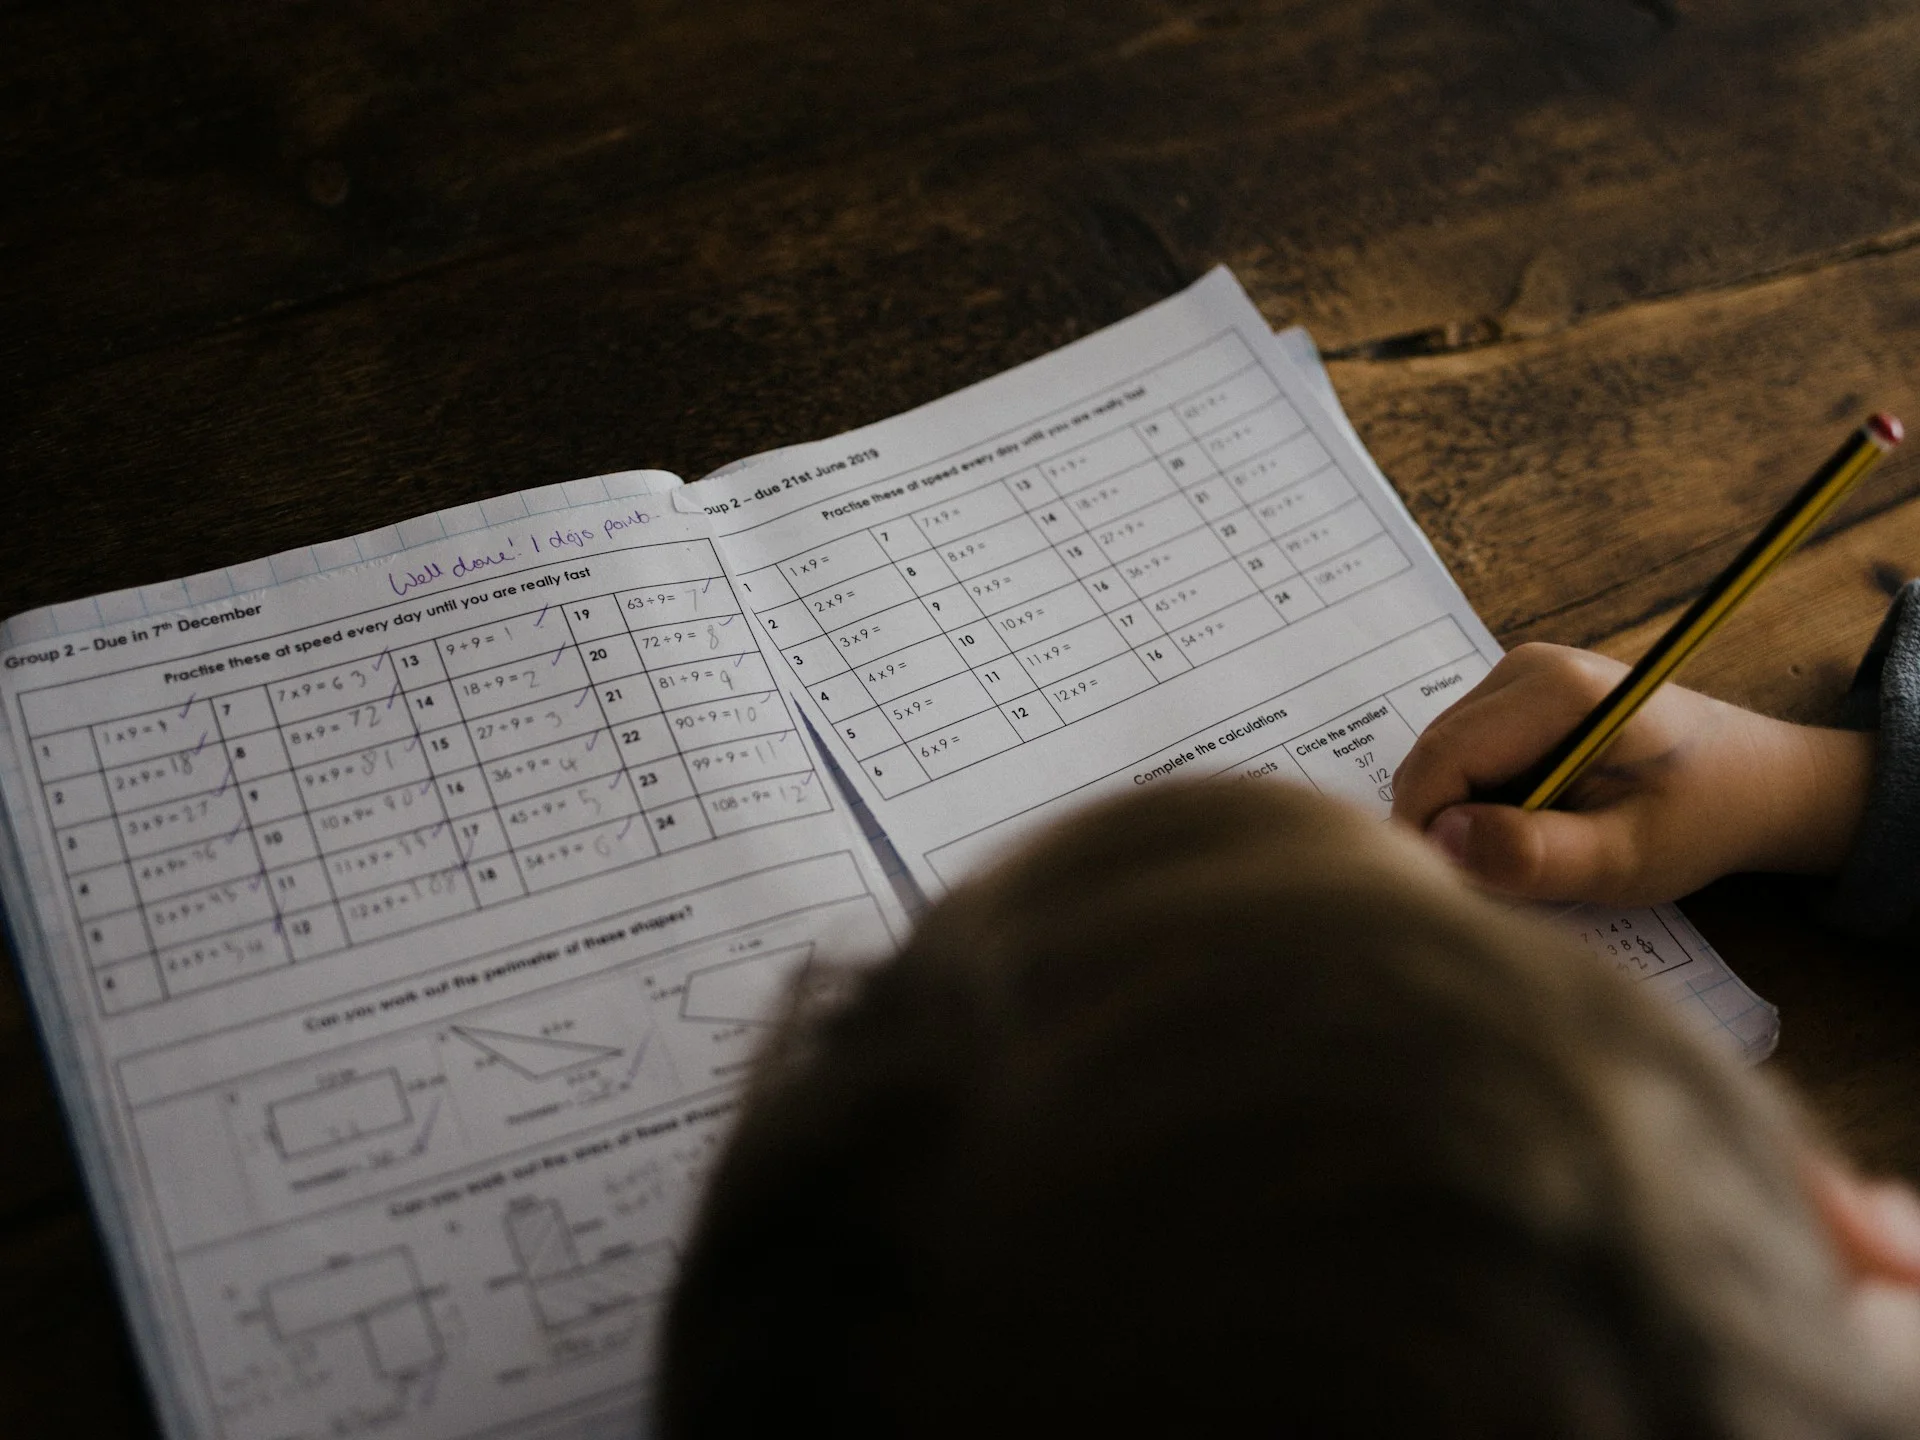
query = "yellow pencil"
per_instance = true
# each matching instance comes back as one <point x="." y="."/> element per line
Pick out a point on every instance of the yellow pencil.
<point x="1547" y="780"/>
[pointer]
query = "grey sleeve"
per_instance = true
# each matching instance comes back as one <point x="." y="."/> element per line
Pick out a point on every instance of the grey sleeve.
<point x="1878" y="890"/>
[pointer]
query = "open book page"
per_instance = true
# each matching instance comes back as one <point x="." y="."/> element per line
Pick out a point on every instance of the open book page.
<point x="1159" y="551"/>
<point x="400" y="935"/>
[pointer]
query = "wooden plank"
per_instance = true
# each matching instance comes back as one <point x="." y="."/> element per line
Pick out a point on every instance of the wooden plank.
<point x="720" y="325"/>
<point x="265" y="158"/>
<point x="1580" y="482"/>
<point x="1390" y="167"/>
<point x="1576" y="482"/>
<point x="1792" y="649"/>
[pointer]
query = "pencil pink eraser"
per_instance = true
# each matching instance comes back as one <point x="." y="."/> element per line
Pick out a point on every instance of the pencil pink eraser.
<point x="1887" y="429"/>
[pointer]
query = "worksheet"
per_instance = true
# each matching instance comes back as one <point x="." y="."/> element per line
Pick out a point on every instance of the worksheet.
<point x="401" y="913"/>
<point x="1157" y="552"/>
<point x="400" y="935"/>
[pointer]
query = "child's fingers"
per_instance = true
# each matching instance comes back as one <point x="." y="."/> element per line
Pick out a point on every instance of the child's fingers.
<point x="1530" y="661"/>
<point x="1490" y="737"/>
<point x="1539" y="855"/>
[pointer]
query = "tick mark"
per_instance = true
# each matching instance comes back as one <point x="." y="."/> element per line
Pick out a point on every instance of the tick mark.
<point x="582" y="700"/>
<point x="542" y="616"/>
<point x="189" y="705"/>
<point x="557" y="654"/>
<point x="592" y="740"/>
<point x="624" y="829"/>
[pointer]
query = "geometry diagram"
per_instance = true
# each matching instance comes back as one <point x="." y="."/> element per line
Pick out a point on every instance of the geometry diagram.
<point x="535" y="1056"/>
<point x="320" y="1119"/>
<point x="744" y="991"/>
<point x="566" y="1292"/>
<point x="381" y="1296"/>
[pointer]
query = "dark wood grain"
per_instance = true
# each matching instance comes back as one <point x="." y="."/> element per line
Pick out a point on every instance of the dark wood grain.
<point x="1792" y="649"/>
<point x="574" y="250"/>
<point x="1603" y="278"/>
<point x="1578" y="481"/>
<point x="1391" y="167"/>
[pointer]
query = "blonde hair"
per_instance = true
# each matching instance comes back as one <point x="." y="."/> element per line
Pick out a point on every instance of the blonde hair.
<point x="1220" y="1106"/>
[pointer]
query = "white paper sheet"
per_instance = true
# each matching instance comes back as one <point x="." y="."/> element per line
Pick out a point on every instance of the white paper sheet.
<point x="401" y="935"/>
<point x="1159" y="551"/>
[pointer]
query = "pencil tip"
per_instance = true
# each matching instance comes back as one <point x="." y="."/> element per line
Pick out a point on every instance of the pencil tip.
<point x="1887" y="429"/>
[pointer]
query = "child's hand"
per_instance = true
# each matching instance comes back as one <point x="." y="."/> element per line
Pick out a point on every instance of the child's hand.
<point x="1691" y="790"/>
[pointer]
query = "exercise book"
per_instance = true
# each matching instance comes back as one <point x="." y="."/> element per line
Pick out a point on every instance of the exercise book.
<point x="401" y="914"/>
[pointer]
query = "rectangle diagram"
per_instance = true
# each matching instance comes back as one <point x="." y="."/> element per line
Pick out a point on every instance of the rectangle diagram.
<point x="746" y="991"/>
<point x="540" y="1239"/>
<point x="379" y="1295"/>
<point x="342" y="1293"/>
<point x="615" y="1283"/>
<point x="336" y="1114"/>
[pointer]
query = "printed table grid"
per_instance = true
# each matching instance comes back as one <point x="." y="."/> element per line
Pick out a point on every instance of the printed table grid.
<point x="999" y="614"/>
<point x="274" y="823"/>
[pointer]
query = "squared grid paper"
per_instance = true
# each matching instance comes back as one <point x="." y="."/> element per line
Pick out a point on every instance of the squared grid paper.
<point x="1720" y="1000"/>
<point x="119" y="607"/>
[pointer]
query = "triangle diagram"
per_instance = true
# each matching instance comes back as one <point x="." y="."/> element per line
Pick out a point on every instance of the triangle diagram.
<point x="534" y="1056"/>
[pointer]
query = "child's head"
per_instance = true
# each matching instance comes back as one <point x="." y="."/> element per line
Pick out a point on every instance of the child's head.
<point x="1224" y="1107"/>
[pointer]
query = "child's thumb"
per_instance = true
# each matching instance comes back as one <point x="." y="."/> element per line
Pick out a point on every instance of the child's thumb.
<point x="1539" y="855"/>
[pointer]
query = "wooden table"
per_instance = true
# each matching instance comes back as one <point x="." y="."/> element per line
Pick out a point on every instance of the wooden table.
<point x="1600" y="280"/>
